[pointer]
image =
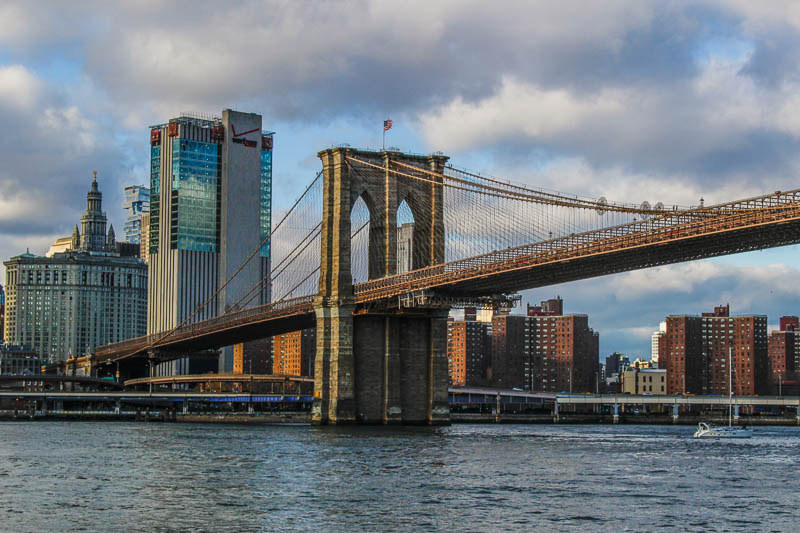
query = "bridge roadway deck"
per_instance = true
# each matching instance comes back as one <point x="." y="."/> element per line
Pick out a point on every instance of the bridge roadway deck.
<point x="643" y="244"/>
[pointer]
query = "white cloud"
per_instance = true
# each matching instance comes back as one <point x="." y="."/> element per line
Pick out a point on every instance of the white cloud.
<point x="19" y="88"/>
<point x="517" y="110"/>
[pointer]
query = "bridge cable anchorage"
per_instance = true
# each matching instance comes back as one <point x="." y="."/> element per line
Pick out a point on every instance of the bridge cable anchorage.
<point x="255" y="252"/>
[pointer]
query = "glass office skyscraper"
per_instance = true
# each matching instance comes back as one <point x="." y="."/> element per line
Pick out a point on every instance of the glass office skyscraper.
<point x="210" y="207"/>
<point x="137" y="203"/>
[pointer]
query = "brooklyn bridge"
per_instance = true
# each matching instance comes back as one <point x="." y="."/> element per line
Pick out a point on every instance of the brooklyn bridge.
<point x="381" y="332"/>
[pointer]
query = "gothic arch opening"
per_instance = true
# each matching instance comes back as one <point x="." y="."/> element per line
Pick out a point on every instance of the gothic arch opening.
<point x="359" y="242"/>
<point x="405" y="238"/>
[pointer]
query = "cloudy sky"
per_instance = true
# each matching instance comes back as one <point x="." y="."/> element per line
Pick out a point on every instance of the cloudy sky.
<point x="660" y="101"/>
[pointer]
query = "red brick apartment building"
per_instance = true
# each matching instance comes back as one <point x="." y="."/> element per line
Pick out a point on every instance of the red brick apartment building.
<point x="542" y="351"/>
<point x="293" y="353"/>
<point x="696" y="351"/>
<point x="469" y="347"/>
<point x="784" y="354"/>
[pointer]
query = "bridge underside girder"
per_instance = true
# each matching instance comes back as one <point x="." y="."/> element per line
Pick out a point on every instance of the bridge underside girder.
<point x="616" y="261"/>
<point x="202" y="340"/>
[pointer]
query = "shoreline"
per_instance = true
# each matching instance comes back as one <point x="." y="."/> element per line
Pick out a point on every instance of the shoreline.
<point x="456" y="418"/>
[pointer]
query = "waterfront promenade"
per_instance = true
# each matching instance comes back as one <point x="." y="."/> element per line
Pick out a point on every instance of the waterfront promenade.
<point x="467" y="405"/>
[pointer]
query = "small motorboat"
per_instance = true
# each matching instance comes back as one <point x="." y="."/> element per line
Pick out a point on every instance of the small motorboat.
<point x="704" y="431"/>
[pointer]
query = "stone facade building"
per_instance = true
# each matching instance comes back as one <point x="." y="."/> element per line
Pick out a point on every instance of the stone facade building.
<point x="92" y="294"/>
<point x="635" y="380"/>
<point x="2" y="313"/>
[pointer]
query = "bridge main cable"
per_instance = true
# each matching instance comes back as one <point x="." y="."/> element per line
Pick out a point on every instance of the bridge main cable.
<point x="528" y="195"/>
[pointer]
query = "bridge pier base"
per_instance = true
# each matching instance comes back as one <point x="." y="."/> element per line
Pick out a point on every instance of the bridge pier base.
<point x="334" y="399"/>
<point x="736" y="414"/>
<point x="381" y="369"/>
<point x="798" y="415"/>
<point x="556" y="416"/>
<point x="616" y="413"/>
<point x="675" y="412"/>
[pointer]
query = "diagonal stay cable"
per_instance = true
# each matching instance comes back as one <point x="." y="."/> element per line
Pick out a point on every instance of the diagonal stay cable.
<point x="280" y="267"/>
<point x="236" y="273"/>
<point x="282" y="298"/>
<point x="270" y="278"/>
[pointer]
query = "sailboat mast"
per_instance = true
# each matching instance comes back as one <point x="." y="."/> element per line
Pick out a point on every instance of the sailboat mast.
<point x="730" y="386"/>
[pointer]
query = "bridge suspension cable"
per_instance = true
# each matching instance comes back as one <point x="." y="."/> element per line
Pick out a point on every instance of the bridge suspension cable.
<point x="274" y="273"/>
<point x="508" y="191"/>
<point x="267" y="240"/>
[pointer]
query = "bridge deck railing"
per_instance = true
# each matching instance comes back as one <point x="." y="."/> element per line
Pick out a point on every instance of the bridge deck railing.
<point x="664" y="228"/>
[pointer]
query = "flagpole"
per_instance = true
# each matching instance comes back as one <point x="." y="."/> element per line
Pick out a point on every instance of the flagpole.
<point x="384" y="139"/>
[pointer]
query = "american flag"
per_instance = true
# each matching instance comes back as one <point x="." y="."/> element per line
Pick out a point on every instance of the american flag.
<point x="387" y="124"/>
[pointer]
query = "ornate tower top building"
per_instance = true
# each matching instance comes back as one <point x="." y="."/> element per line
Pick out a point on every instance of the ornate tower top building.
<point x="88" y="291"/>
<point x="93" y="222"/>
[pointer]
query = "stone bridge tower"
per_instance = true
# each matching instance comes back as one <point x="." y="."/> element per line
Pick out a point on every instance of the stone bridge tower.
<point x="387" y="365"/>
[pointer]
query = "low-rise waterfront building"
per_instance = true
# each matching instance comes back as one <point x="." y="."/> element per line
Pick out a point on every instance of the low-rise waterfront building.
<point x="18" y="360"/>
<point x="636" y="380"/>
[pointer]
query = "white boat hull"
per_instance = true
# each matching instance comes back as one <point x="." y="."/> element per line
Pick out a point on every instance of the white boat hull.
<point x="704" y="431"/>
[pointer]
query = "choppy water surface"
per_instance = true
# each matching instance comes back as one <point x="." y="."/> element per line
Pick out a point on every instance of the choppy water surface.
<point x="169" y="477"/>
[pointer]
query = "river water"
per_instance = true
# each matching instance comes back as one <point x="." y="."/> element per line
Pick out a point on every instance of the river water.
<point x="106" y="476"/>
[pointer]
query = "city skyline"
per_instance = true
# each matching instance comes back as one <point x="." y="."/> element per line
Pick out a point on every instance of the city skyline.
<point x="541" y="115"/>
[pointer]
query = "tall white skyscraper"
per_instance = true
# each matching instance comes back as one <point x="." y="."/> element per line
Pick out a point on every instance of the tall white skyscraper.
<point x="656" y="342"/>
